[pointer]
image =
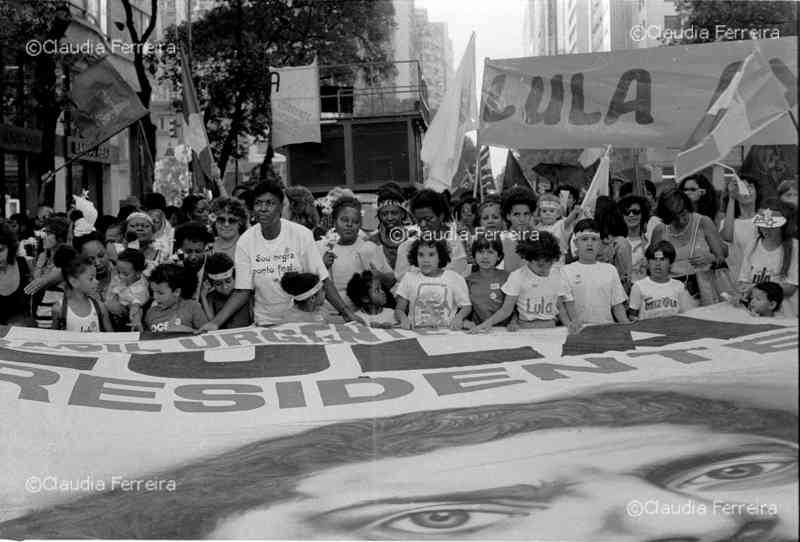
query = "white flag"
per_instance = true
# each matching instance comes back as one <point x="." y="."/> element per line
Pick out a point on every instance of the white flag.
<point x="590" y="155"/>
<point x="599" y="184"/>
<point x="457" y="115"/>
<point x="295" y="105"/>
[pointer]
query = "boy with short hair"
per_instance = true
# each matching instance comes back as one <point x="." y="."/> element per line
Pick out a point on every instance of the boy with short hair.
<point x="192" y="240"/>
<point x="594" y="286"/>
<point x="765" y="299"/>
<point x="657" y="295"/>
<point x="221" y="275"/>
<point x="172" y="308"/>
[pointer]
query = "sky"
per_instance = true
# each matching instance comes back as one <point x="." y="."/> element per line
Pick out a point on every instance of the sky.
<point x="498" y="34"/>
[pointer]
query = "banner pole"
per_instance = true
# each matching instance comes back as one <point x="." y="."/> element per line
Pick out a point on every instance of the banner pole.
<point x="50" y="175"/>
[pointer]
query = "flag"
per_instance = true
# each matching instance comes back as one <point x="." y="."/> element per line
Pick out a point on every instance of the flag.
<point x="457" y="115"/>
<point x="599" y="184"/>
<point x="103" y="103"/>
<point x="295" y="105"/>
<point x="513" y="174"/>
<point x="485" y="177"/>
<point x="194" y="133"/>
<point x="590" y="155"/>
<point x="753" y="99"/>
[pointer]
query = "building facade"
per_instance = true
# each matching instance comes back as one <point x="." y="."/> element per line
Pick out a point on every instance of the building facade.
<point x="434" y="49"/>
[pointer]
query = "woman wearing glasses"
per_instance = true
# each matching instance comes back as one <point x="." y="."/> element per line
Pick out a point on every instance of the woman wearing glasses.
<point x="701" y="193"/>
<point x="229" y="221"/>
<point x="636" y="213"/>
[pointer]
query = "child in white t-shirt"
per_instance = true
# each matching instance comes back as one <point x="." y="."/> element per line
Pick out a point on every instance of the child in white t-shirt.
<point x="537" y="290"/>
<point x="549" y="218"/>
<point x="370" y="298"/>
<point x="594" y="286"/>
<point x="658" y="295"/>
<point x="431" y="296"/>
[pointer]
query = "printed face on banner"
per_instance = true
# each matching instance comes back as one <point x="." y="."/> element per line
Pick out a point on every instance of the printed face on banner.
<point x="509" y="489"/>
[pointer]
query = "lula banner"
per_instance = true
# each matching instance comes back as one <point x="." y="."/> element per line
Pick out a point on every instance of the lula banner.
<point x="650" y="97"/>
<point x="676" y="428"/>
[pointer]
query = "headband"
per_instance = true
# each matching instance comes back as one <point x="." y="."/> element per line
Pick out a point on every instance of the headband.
<point x="306" y="295"/>
<point x="547" y="204"/>
<point x="139" y="214"/>
<point x="221" y="276"/>
<point x="390" y="203"/>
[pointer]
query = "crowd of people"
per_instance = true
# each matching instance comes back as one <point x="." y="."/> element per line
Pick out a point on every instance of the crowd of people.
<point x="269" y="255"/>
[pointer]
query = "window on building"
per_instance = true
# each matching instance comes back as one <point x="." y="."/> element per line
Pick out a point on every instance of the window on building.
<point x="319" y="164"/>
<point x="380" y="152"/>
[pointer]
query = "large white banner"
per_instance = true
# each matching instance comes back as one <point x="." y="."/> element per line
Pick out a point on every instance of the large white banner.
<point x="318" y="431"/>
<point x="295" y="105"/>
<point x="642" y="97"/>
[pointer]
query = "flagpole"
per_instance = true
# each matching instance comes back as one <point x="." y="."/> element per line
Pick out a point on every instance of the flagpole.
<point x="50" y="175"/>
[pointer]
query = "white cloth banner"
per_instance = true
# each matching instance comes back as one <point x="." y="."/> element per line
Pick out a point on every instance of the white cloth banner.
<point x="641" y="97"/>
<point x="295" y="105"/>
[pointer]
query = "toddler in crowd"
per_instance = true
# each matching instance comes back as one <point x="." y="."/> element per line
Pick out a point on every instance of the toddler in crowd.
<point x="172" y="308"/>
<point x="658" y="295"/>
<point x="594" y="286"/>
<point x="550" y="217"/>
<point x="128" y="291"/>
<point x="308" y="295"/>
<point x="430" y="295"/>
<point x="537" y="290"/>
<point x="485" y="284"/>
<point x="765" y="299"/>
<point x="370" y="298"/>
<point x="78" y="310"/>
<point x="221" y="275"/>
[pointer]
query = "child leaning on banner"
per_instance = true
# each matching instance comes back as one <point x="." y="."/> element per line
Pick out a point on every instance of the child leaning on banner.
<point x="765" y="299"/>
<point x="594" y="286"/>
<point x="371" y="299"/>
<point x="78" y="310"/>
<point x="308" y="296"/>
<point x="658" y="295"/>
<point x="485" y="284"/>
<point x="220" y="274"/>
<point x="171" y="311"/>
<point x="537" y="290"/>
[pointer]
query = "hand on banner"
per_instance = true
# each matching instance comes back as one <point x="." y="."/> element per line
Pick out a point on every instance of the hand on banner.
<point x="328" y="259"/>
<point x="210" y="326"/>
<point x="574" y="327"/>
<point x="456" y="324"/>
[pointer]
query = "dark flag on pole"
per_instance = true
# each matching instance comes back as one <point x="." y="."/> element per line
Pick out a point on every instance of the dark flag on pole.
<point x="194" y="133"/>
<point x="104" y="104"/>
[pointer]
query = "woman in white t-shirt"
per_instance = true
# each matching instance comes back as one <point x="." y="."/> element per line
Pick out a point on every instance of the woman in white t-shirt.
<point x="267" y="251"/>
<point x="345" y="253"/>
<point x="772" y="257"/>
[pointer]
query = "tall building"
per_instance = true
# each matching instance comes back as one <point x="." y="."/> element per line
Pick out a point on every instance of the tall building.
<point x="541" y="28"/>
<point x="434" y="49"/>
<point x="553" y="27"/>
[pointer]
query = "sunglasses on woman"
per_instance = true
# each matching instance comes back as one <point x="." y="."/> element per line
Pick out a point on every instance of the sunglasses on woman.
<point x="227" y="220"/>
<point x="633" y="212"/>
